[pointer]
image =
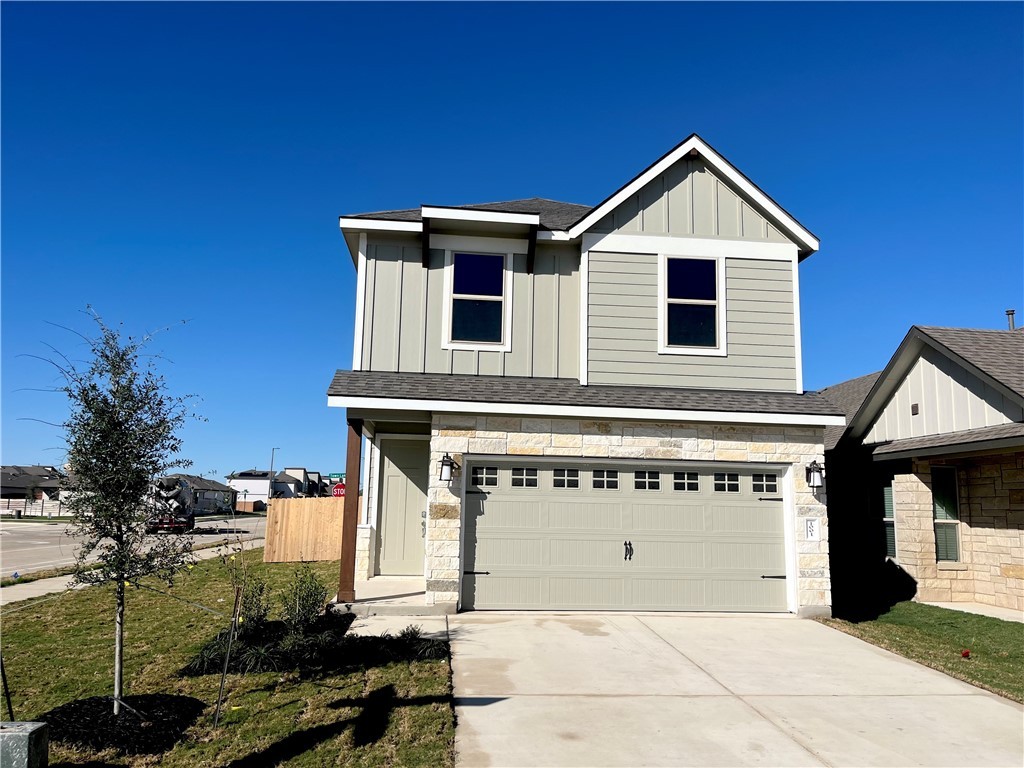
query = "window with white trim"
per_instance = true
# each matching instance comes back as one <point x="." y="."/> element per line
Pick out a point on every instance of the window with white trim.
<point x="727" y="482"/>
<point x="765" y="483"/>
<point x="691" y="313"/>
<point x="646" y="480"/>
<point x="485" y="477"/>
<point x="524" y="477"/>
<point x="606" y="479"/>
<point x="946" y="513"/>
<point x="686" y="481"/>
<point x="478" y="298"/>
<point x="566" y="478"/>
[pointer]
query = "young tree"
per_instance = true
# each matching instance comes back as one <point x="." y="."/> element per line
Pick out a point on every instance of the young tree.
<point x="121" y="435"/>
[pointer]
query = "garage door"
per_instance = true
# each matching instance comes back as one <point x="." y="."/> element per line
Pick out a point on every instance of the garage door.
<point x="623" y="537"/>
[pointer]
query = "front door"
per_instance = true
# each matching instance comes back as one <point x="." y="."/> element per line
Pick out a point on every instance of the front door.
<point x="404" y="467"/>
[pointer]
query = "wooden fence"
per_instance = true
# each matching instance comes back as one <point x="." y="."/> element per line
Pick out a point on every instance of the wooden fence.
<point x="303" y="530"/>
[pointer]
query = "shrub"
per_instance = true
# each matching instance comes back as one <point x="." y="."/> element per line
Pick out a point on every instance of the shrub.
<point x="304" y="601"/>
<point x="255" y="606"/>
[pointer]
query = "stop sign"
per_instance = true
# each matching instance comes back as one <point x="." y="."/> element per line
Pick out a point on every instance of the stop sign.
<point x="338" y="490"/>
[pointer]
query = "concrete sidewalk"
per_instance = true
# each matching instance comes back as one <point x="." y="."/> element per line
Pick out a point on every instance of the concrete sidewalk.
<point x="18" y="592"/>
<point x="685" y="690"/>
<point x="1006" y="614"/>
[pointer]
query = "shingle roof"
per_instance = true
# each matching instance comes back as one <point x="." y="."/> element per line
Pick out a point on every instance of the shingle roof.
<point x="554" y="215"/>
<point x="964" y="437"/>
<point x="530" y="391"/>
<point x="1000" y="354"/>
<point x="848" y="396"/>
<point x="199" y="483"/>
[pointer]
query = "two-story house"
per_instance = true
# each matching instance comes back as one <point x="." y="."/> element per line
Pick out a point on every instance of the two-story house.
<point x="576" y="407"/>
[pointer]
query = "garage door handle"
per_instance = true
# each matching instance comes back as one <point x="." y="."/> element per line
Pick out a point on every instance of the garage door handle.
<point x="769" y="498"/>
<point x="476" y="573"/>
<point x="773" y="577"/>
<point x="628" y="554"/>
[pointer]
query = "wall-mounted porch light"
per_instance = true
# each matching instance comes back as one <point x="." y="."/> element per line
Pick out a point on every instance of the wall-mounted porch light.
<point x="449" y="469"/>
<point x="815" y="475"/>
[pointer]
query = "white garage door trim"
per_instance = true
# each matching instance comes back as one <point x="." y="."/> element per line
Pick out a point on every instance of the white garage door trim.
<point x="785" y="472"/>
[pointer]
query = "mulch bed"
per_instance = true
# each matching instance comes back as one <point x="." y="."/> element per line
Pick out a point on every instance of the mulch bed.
<point x="91" y="723"/>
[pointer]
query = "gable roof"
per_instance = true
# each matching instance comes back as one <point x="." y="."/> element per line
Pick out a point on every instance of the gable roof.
<point x="554" y="215"/>
<point x="848" y="396"/>
<point x="573" y="220"/>
<point x="996" y="357"/>
<point x="200" y="483"/>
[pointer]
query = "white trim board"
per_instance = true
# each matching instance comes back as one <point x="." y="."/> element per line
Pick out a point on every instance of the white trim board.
<point x="797" y="339"/>
<point x="584" y="372"/>
<point x="467" y="214"/>
<point x="485" y="244"/>
<point x="380" y="224"/>
<point x="357" y="342"/>
<point x="690" y="246"/>
<point x="584" y="411"/>
<point x="718" y="164"/>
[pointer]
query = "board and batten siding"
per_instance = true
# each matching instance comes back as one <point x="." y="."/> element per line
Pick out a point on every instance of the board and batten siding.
<point x="948" y="398"/>
<point x="688" y="199"/>
<point x="623" y="327"/>
<point x="403" y="316"/>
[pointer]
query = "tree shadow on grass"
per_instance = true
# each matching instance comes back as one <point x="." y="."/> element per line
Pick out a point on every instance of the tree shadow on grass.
<point x="368" y="727"/>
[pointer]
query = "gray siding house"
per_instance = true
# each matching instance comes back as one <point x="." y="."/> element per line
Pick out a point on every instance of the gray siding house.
<point x="588" y="407"/>
<point x="926" y="484"/>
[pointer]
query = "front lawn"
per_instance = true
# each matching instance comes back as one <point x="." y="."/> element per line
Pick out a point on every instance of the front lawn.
<point x="937" y="638"/>
<point x="367" y="712"/>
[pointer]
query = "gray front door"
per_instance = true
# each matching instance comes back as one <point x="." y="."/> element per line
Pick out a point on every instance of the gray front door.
<point x="623" y="535"/>
<point x="403" y="487"/>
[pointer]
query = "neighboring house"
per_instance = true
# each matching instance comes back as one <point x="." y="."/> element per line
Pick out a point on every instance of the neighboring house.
<point x="287" y="486"/>
<point x="929" y="474"/>
<point x="616" y="389"/>
<point x="251" y="485"/>
<point x="302" y="476"/>
<point x="41" y="483"/>
<point x="209" y="495"/>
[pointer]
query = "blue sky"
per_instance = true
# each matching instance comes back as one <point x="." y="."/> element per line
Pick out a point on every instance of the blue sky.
<point x="169" y="162"/>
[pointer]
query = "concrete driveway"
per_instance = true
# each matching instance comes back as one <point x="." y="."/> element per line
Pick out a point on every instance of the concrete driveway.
<point x="671" y="690"/>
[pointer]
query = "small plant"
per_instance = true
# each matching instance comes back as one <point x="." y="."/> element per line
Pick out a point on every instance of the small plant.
<point x="258" y="658"/>
<point x="303" y="603"/>
<point x="255" y="606"/>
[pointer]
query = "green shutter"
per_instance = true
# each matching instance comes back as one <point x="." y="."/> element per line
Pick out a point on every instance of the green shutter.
<point x="889" y="522"/>
<point x="944" y="494"/>
<point x="945" y="542"/>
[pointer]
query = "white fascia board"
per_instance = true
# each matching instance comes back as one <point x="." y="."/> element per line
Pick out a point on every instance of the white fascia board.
<point x="584" y="411"/>
<point x="380" y="225"/>
<point x="556" y="235"/>
<point x="690" y="246"/>
<point x="721" y="166"/>
<point x="493" y="217"/>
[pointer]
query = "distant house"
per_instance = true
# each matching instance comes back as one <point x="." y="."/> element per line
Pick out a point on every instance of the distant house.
<point x="302" y="477"/>
<point x="209" y="495"/>
<point x="33" y="483"/>
<point x="287" y="486"/>
<point x="926" y="483"/>
<point x="251" y="485"/>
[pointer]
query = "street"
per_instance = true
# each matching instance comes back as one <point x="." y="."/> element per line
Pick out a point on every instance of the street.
<point x="36" y="546"/>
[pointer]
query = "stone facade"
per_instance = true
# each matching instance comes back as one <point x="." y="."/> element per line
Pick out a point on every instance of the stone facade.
<point x="478" y="435"/>
<point x="991" y="531"/>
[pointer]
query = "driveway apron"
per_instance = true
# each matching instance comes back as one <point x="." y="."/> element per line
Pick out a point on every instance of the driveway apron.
<point x="671" y="690"/>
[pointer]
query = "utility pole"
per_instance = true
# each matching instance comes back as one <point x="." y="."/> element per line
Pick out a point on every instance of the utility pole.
<point x="270" y="489"/>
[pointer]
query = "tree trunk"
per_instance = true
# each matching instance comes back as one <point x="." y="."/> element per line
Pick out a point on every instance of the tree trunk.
<point x="119" y="646"/>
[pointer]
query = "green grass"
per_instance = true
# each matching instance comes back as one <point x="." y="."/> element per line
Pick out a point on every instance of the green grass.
<point x="936" y="637"/>
<point x="60" y="649"/>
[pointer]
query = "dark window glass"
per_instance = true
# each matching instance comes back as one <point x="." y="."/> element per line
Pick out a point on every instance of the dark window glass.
<point x="479" y="274"/>
<point x="691" y="279"/>
<point x="692" y="325"/>
<point x="476" y="320"/>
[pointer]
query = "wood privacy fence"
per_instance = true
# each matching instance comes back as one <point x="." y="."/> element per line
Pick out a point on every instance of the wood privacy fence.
<point x="303" y="530"/>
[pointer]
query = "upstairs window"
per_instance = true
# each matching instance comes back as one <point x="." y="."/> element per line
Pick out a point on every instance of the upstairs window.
<point x="478" y="299"/>
<point x="691" y="306"/>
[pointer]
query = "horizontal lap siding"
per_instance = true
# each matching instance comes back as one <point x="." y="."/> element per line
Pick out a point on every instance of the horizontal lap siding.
<point x="404" y="315"/>
<point x="623" y="327"/>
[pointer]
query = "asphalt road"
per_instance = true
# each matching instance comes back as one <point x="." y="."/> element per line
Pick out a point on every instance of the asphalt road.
<point x="30" y="546"/>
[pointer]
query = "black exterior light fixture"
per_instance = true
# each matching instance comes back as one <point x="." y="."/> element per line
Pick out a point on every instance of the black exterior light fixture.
<point x="449" y="469"/>
<point x="815" y="475"/>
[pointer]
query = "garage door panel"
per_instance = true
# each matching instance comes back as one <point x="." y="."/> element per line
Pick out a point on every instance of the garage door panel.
<point x="584" y="553"/>
<point x="669" y="593"/>
<point x="746" y="556"/>
<point x="762" y="518"/>
<point x="563" y="548"/>
<point x="667" y="516"/>
<point x="587" y="591"/>
<point x="584" y="515"/>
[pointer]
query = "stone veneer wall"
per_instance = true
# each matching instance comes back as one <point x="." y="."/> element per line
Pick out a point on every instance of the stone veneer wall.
<point x="461" y="434"/>
<point x="991" y="567"/>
